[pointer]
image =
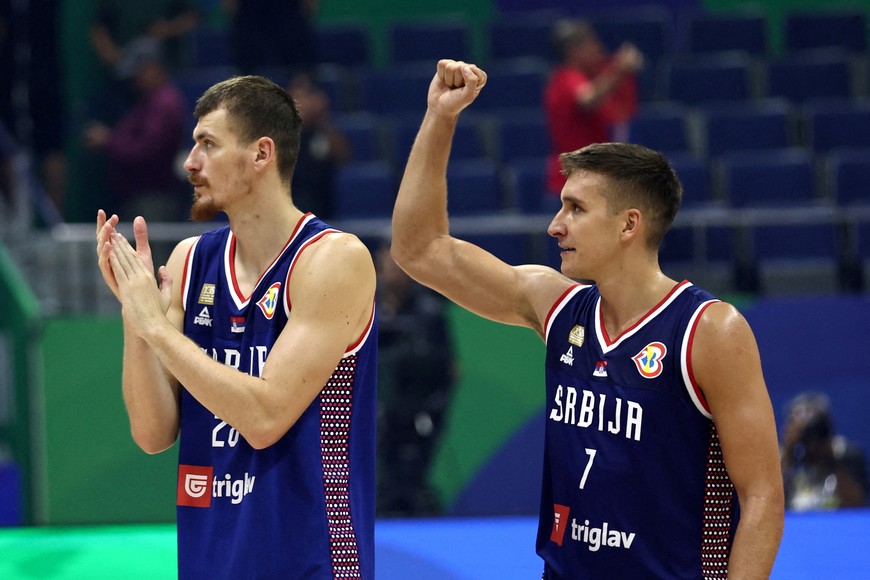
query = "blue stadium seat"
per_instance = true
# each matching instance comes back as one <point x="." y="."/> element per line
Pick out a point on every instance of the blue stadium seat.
<point x="695" y="177"/>
<point x="826" y="28"/>
<point x="795" y="241"/>
<point x="817" y="74"/>
<point x="763" y="124"/>
<point x="395" y="91"/>
<point x="193" y="82"/>
<point x="474" y="187"/>
<point x="527" y="182"/>
<point x="720" y="32"/>
<point x="834" y="124"/>
<point x="362" y="130"/>
<point x="849" y="176"/>
<point x="677" y="246"/>
<point x="513" y="36"/>
<point x="468" y="140"/>
<point x="521" y="134"/>
<point x="663" y="127"/>
<point x="209" y="46"/>
<point x="709" y="78"/>
<point x="773" y="178"/>
<point x="864" y="242"/>
<point x="345" y="44"/>
<point x="429" y="40"/>
<point x="511" y="248"/>
<point x="649" y="28"/>
<point x="513" y="84"/>
<point x="365" y="189"/>
<point x="803" y="257"/>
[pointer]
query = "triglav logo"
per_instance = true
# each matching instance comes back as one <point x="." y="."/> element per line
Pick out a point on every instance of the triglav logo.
<point x="194" y="485"/>
<point x="197" y="485"/>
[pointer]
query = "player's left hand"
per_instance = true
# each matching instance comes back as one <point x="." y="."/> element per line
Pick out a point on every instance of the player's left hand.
<point x="143" y="303"/>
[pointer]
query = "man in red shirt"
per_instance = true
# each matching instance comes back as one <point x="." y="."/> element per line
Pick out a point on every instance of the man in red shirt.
<point x="589" y="94"/>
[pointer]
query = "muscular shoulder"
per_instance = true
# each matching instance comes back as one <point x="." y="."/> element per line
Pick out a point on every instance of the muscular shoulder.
<point x="721" y="325"/>
<point x="336" y="258"/>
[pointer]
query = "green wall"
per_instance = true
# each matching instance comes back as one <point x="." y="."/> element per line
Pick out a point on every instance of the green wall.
<point x="94" y="473"/>
<point x="501" y="386"/>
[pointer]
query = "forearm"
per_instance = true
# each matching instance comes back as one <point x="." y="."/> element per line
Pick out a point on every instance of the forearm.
<point x="757" y="539"/>
<point x="242" y="400"/>
<point x="150" y="396"/>
<point x="420" y="213"/>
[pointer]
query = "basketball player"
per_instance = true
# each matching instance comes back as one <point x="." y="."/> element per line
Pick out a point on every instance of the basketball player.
<point x="259" y="347"/>
<point x="661" y="453"/>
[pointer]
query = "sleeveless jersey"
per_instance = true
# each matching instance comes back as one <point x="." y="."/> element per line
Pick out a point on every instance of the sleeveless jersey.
<point x="634" y="481"/>
<point x="304" y="507"/>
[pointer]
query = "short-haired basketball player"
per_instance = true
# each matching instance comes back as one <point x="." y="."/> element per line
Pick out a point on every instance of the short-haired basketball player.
<point x="257" y="351"/>
<point x="661" y="456"/>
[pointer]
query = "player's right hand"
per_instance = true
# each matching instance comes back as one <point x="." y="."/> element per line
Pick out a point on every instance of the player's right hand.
<point x="455" y="85"/>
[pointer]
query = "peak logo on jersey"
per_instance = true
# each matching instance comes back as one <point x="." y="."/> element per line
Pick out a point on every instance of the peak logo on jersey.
<point x="269" y="301"/>
<point x="194" y="485"/>
<point x="649" y="360"/>
<point x="568" y="357"/>
<point x="600" y="369"/>
<point x="577" y="335"/>
<point x="206" y="295"/>
<point x="560" y="522"/>
<point x="204" y="318"/>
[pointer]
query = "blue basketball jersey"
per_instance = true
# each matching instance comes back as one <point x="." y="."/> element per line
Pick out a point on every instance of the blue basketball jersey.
<point x="304" y="507"/>
<point x="634" y="481"/>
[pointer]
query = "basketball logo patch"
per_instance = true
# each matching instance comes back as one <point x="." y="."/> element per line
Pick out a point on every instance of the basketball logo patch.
<point x="649" y="360"/>
<point x="269" y="301"/>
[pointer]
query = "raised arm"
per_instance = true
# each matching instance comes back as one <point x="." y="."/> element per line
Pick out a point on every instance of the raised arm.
<point x="727" y="367"/>
<point x="421" y="243"/>
<point x="332" y="296"/>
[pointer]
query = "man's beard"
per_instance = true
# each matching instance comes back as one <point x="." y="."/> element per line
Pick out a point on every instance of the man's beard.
<point x="203" y="209"/>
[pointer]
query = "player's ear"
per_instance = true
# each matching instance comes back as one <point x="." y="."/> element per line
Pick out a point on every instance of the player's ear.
<point x="265" y="151"/>
<point x="632" y="220"/>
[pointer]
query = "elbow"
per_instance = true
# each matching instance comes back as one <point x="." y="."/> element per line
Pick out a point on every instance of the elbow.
<point x="153" y="444"/>
<point x="265" y="434"/>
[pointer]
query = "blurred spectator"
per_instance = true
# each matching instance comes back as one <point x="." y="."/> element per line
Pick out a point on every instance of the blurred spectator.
<point x="821" y="470"/>
<point x="322" y="148"/>
<point x="30" y="69"/>
<point x="415" y="384"/>
<point x="590" y="94"/>
<point x="141" y="148"/>
<point x="266" y="33"/>
<point x="118" y="24"/>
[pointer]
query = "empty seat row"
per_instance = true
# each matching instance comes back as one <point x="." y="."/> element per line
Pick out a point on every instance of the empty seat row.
<point x="776" y="179"/>
<point x="528" y="33"/>
<point x="707" y="131"/>
<point x="724" y="77"/>
<point x="711" y="130"/>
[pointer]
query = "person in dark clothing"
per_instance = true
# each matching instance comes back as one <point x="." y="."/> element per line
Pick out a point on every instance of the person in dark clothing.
<point x="416" y="374"/>
<point x="265" y="33"/>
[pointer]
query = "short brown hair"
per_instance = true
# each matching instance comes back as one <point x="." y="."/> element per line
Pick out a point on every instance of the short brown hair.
<point x="258" y="107"/>
<point x="641" y="178"/>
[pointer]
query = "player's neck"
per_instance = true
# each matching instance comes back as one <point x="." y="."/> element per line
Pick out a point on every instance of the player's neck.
<point x="627" y="299"/>
<point x="261" y="233"/>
